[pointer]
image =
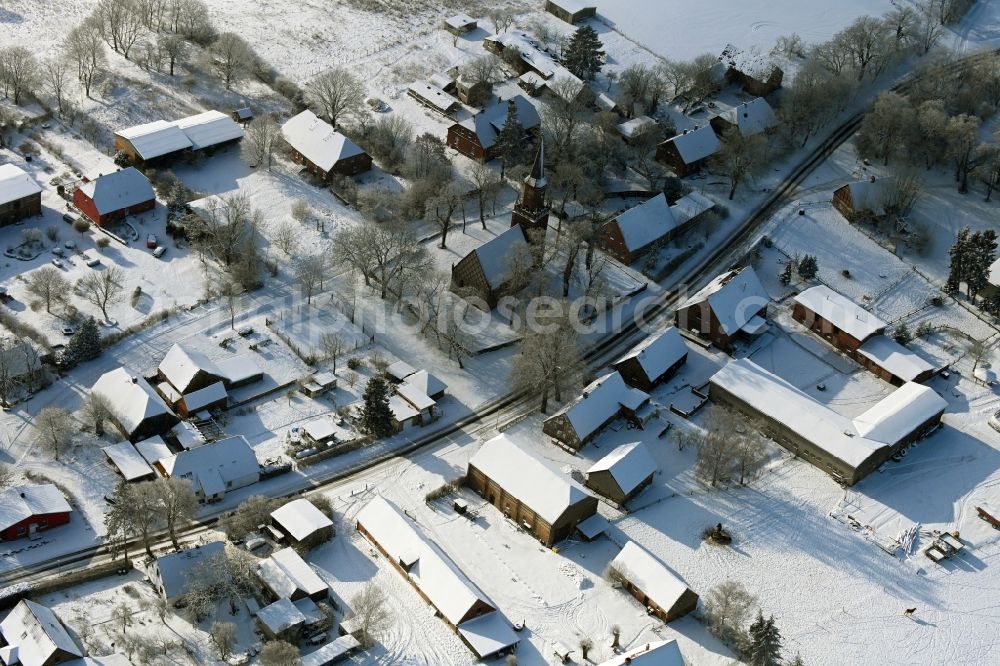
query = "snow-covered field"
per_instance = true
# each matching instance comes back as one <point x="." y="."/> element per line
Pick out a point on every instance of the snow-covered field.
<point x="681" y="30"/>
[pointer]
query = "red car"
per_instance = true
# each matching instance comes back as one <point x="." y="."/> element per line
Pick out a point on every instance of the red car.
<point x="151" y="241"/>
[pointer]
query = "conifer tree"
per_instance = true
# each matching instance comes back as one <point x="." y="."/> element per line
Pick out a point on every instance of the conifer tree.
<point x="765" y="642"/>
<point x="583" y="56"/>
<point x="808" y="267"/>
<point x="785" y="277"/>
<point x="510" y="141"/>
<point x="376" y="417"/>
<point x="84" y="345"/>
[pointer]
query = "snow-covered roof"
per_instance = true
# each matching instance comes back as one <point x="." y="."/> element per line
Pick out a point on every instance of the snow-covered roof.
<point x="285" y="572"/>
<point x="155" y="139"/>
<point x="496" y="255"/>
<point x="635" y="126"/>
<point x="629" y="465"/>
<point x="19" y="358"/>
<point x="119" y="190"/>
<point x="188" y="436"/>
<point x="656" y="653"/>
<point x="885" y="424"/>
<point x="994" y="274"/>
<point x="529" y="50"/>
<point x="236" y="369"/>
<point x="331" y="652"/>
<point x="657" y="353"/>
<point x="153" y="449"/>
<point x="182" y="364"/>
<point x="690" y="206"/>
<point x="696" y="144"/>
<point x="175" y="569"/>
<point x="897" y="415"/>
<point x="301" y="518"/>
<point x="545" y="490"/>
<point x="650" y="575"/>
<point x="210" y="128"/>
<point x="15" y="183"/>
<point x="128" y="461"/>
<point x="869" y="194"/>
<point x="460" y="21"/>
<point x="646" y="223"/>
<point x="488" y="634"/>
<point x="244" y="113"/>
<point x="430" y="569"/>
<point x="488" y="122"/>
<point x="735" y="297"/>
<point x="426" y="383"/>
<point x="413" y="395"/>
<point x="751" y="117"/>
<point x="37" y="634"/>
<point x="401" y="410"/>
<point x="320" y="429"/>
<point x="202" y="398"/>
<point x="132" y="399"/>
<point x="841" y="311"/>
<point x="400" y="370"/>
<point x="571" y="6"/>
<point x="280" y="616"/>
<point x="212" y="467"/>
<point x="748" y="61"/>
<point x="318" y="141"/>
<point x="20" y="502"/>
<point x="599" y="402"/>
<point x="116" y="659"/>
<point x="433" y="95"/>
<point x="894" y="357"/>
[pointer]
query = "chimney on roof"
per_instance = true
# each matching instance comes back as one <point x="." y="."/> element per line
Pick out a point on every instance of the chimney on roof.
<point x="871" y="179"/>
<point x="135" y="380"/>
<point x="22" y="494"/>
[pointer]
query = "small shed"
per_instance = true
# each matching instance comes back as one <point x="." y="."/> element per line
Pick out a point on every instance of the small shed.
<point x="650" y="581"/>
<point x="302" y="523"/>
<point x="211" y="397"/>
<point x="687" y="152"/>
<point x="319" y="384"/>
<point x="571" y="11"/>
<point x="20" y="195"/>
<point x="459" y="24"/>
<point x="399" y="371"/>
<point x="623" y="473"/>
<point x="128" y="462"/>
<point x="243" y="115"/>
<point x="334" y="651"/>
<point x="281" y="620"/>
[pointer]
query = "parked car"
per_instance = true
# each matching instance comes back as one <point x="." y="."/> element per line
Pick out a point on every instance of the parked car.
<point x="68" y="330"/>
<point x="151" y="241"/>
<point x="158" y="252"/>
<point x="70" y="245"/>
<point x="69" y="218"/>
<point x="986" y="374"/>
<point x="58" y="251"/>
<point x="91" y="260"/>
<point x="995" y="421"/>
<point x="57" y="263"/>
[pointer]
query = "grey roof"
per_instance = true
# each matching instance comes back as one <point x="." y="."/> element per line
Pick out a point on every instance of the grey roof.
<point x="119" y="190"/>
<point x="496" y="254"/>
<point x="285" y="573"/>
<point x="21" y="502"/>
<point x="37" y="634"/>
<point x="331" y="652"/>
<point x="176" y="568"/>
<point x="697" y="144"/>
<point x="15" y="183"/>
<point x="128" y="461"/>
<point x="734" y="296"/>
<point x="212" y="466"/>
<point x="155" y="139"/>
<point x="318" y="141"/>
<point x="646" y="223"/>
<point x="657" y="353"/>
<point x="433" y="95"/>
<point x="210" y="128"/>
<point x="202" y="398"/>
<point x="488" y="123"/>
<point x="280" y="616"/>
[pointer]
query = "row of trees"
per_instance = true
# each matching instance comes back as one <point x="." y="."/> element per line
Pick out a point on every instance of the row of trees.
<point x="140" y="510"/>
<point x="728" y="448"/>
<point x="971" y="257"/>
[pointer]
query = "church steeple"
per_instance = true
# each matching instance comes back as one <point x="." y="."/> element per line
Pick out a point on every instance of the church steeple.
<point x="536" y="178"/>
<point x="531" y="212"/>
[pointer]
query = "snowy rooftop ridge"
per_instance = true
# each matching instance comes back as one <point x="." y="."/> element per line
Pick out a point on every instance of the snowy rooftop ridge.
<point x="599" y="402"/>
<point x="894" y="357"/>
<point x="16" y="183"/>
<point x="751" y="117"/>
<point x="841" y="311"/>
<point x="119" y="190"/>
<point x="735" y="297"/>
<point x="317" y="140"/>
<point x="20" y="502"/>
<point x="646" y="223"/>
<point x="496" y="255"/>
<point x="285" y="573"/>
<point x="301" y="518"/>
<point x="696" y="144"/>
<point x="162" y="137"/>
<point x="656" y="653"/>
<point x="629" y="465"/>
<point x="657" y="353"/>
<point x="548" y="492"/>
<point x="650" y="575"/>
<point x="36" y="635"/>
<point x="132" y="399"/>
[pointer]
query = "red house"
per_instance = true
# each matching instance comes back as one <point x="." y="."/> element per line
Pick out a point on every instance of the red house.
<point x="25" y="510"/>
<point x="115" y="196"/>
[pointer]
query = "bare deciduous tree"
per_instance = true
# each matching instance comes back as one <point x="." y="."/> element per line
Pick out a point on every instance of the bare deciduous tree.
<point x="260" y="140"/>
<point x="279" y="653"/>
<point x="173" y="48"/>
<point x="121" y="23"/>
<point x="176" y="503"/>
<point x="19" y="72"/>
<point x="56" y="75"/>
<point x="741" y="156"/>
<point x="549" y="359"/>
<point x="337" y="94"/>
<point x="55" y="428"/>
<point x="382" y="253"/>
<point x="309" y="272"/>
<point x="333" y="346"/>
<point x="97" y="411"/>
<point x="84" y="47"/>
<point x="285" y="237"/>
<point x="231" y="58"/>
<point x="255" y="510"/>
<point x="485" y="180"/>
<point x="728" y="606"/>
<point x="48" y="284"/>
<point x="371" y="613"/>
<point x="223" y="635"/>
<point x="103" y="288"/>
<point x="226" y="227"/>
<point x="502" y="19"/>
